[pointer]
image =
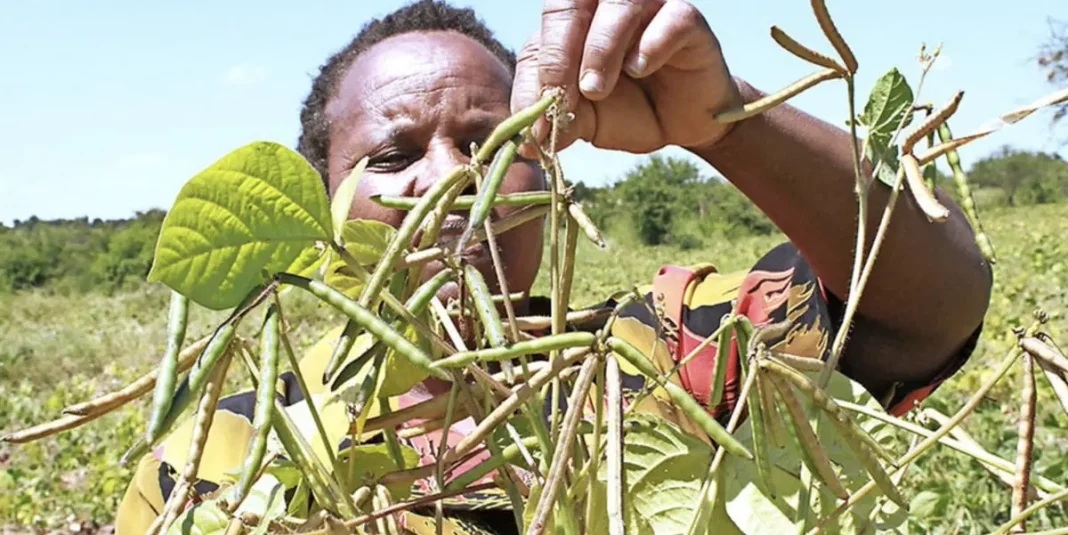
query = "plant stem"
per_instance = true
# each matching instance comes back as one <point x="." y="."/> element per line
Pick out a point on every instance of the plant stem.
<point x="930" y="441"/>
<point x="1026" y="442"/>
<point x="564" y="446"/>
<point x="294" y="364"/>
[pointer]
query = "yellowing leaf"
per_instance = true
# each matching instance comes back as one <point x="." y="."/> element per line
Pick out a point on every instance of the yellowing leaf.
<point x="365" y="241"/>
<point x="256" y="211"/>
<point x="400" y="375"/>
<point x="374" y="461"/>
<point x="341" y="204"/>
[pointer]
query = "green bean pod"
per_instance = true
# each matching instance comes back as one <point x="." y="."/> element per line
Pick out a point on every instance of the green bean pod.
<point x="837" y="415"/>
<point x="301" y="453"/>
<point x="511" y="126"/>
<point x="367" y="387"/>
<point x="368" y="320"/>
<point x="341" y="349"/>
<point x="772" y="423"/>
<point x="808" y="444"/>
<point x="177" y="317"/>
<point x="265" y="392"/>
<point x="760" y="440"/>
<point x="863" y="446"/>
<point x="965" y="198"/>
<point x="681" y="397"/>
<point x="187" y="390"/>
<point x="487" y="311"/>
<point x="480" y="210"/>
<point x="543" y="345"/>
<point x="719" y="377"/>
<point x="465" y="202"/>
<point x="404" y="234"/>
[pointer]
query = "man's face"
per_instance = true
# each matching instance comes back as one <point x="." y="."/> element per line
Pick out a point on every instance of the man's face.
<point x="413" y="104"/>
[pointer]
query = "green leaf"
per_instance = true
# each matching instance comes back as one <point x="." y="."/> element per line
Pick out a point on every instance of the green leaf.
<point x="285" y="471"/>
<point x="341" y="204"/>
<point x="374" y="461"/>
<point x="927" y="504"/>
<point x="754" y="512"/>
<point x="890" y="101"/>
<point x="204" y="518"/>
<point x="400" y="375"/>
<point x="365" y="240"/>
<point x="664" y="469"/>
<point x="255" y="211"/>
<point x="878" y="152"/>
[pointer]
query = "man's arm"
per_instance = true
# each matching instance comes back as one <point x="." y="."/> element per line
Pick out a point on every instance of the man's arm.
<point x="643" y="74"/>
<point x="930" y="286"/>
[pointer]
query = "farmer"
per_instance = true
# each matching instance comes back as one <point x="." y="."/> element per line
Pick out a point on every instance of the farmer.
<point x="414" y="89"/>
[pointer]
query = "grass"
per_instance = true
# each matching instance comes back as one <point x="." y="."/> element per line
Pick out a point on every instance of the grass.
<point x="58" y="349"/>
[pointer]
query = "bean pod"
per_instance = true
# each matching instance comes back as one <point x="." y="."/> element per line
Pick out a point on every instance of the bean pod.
<point x="682" y="399"/>
<point x="177" y="317"/>
<point x="265" y="392"/>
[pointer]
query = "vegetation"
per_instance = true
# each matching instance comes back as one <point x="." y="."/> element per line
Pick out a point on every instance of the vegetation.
<point x="843" y="467"/>
<point x="661" y="201"/>
<point x="56" y="350"/>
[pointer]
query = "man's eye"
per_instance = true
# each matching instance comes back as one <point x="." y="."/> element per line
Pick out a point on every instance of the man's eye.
<point x="391" y="161"/>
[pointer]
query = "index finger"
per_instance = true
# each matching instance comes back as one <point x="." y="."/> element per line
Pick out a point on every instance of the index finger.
<point x="564" y="24"/>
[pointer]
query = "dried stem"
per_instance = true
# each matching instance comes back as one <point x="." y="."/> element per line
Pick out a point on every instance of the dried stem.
<point x="922" y="447"/>
<point x="615" y="447"/>
<point x="201" y="426"/>
<point x="1026" y="441"/>
<point x="139" y="387"/>
<point x="564" y="446"/>
<point x="770" y="101"/>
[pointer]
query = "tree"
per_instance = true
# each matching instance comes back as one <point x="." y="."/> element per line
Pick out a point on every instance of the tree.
<point x="1053" y="58"/>
<point x="1024" y="177"/>
<point x="654" y="191"/>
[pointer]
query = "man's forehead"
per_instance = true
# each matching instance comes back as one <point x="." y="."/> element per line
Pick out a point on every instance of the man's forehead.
<point x="416" y="65"/>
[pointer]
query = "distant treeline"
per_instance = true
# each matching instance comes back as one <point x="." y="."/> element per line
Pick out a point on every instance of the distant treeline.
<point x="660" y="201"/>
<point x="76" y="255"/>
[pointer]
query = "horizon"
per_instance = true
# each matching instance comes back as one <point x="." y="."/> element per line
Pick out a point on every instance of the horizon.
<point x="116" y="106"/>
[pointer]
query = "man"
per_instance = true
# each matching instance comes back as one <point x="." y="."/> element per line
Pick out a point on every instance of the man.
<point x="414" y="89"/>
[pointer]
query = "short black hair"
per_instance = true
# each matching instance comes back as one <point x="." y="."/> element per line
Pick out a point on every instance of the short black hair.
<point x="420" y="16"/>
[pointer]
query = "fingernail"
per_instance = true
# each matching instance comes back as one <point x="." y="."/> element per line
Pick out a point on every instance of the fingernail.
<point x="591" y="82"/>
<point x="636" y="66"/>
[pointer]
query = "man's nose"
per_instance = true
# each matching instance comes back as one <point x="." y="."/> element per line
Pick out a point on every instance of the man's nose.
<point x="441" y="161"/>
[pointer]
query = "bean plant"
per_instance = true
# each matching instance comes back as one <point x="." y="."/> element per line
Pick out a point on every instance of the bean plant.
<point x="805" y="450"/>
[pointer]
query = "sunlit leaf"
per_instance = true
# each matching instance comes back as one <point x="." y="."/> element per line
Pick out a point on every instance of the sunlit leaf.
<point x="204" y="518"/>
<point x="374" y="461"/>
<point x="890" y="100"/>
<point x="341" y="203"/>
<point x="365" y="240"/>
<point x="255" y="211"/>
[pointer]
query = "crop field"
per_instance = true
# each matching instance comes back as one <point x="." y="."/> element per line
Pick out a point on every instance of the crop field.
<point x="56" y="350"/>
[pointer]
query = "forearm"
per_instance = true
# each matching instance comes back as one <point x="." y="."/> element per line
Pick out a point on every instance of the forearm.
<point x="930" y="280"/>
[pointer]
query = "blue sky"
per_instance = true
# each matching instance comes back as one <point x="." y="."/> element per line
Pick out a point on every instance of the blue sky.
<point x="108" y="107"/>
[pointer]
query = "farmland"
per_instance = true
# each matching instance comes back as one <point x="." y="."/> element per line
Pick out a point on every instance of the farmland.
<point x="56" y="349"/>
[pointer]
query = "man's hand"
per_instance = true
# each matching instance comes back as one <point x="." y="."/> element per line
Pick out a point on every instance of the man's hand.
<point x="639" y="74"/>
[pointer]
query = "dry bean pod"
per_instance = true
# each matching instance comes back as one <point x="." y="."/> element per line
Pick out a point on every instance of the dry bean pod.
<point x="539" y="346"/>
<point x="187" y="390"/>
